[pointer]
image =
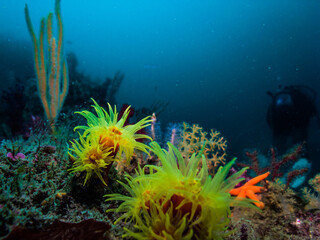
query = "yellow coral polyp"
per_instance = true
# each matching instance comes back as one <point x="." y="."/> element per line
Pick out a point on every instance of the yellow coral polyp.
<point x="104" y="140"/>
<point x="112" y="131"/>
<point x="90" y="156"/>
<point x="178" y="201"/>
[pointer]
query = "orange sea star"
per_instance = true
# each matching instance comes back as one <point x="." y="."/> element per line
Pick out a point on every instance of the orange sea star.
<point x="249" y="190"/>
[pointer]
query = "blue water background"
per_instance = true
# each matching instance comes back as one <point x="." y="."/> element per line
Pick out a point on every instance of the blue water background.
<point x="213" y="61"/>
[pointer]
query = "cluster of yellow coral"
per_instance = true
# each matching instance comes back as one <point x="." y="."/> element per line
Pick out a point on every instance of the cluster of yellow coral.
<point x="178" y="199"/>
<point x="104" y="140"/>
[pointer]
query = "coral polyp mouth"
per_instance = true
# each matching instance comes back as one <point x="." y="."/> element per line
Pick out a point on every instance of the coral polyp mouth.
<point x="93" y="158"/>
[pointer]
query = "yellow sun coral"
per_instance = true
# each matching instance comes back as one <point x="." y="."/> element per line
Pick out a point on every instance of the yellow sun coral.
<point x="90" y="156"/>
<point x="178" y="201"/>
<point x="104" y="140"/>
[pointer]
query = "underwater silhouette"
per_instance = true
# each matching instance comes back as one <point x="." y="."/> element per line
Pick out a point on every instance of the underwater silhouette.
<point x="289" y="115"/>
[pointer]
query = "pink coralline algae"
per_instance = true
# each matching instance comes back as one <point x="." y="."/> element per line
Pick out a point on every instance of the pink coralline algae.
<point x="15" y="157"/>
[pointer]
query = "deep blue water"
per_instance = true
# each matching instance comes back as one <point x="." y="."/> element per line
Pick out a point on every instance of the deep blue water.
<point x="213" y="61"/>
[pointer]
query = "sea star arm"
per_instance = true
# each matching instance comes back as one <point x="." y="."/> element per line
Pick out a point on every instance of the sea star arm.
<point x="257" y="179"/>
<point x="252" y="196"/>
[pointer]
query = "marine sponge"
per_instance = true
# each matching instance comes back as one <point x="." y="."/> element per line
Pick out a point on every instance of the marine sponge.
<point x="178" y="201"/>
<point x="104" y="140"/>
